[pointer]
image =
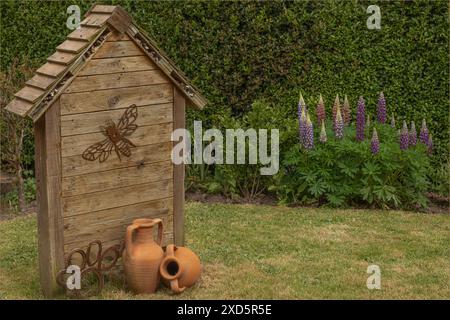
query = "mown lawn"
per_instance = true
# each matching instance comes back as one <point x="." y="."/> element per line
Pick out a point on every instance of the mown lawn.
<point x="265" y="252"/>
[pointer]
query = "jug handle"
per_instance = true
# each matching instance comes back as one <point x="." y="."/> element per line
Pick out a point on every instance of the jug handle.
<point x="129" y="237"/>
<point x="160" y="230"/>
<point x="174" y="286"/>
<point x="170" y="252"/>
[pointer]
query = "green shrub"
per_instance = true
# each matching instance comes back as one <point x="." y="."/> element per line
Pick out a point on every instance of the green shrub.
<point x="346" y="173"/>
<point x="439" y="179"/>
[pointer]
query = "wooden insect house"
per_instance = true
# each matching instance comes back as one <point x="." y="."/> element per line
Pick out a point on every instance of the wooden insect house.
<point x="104" y="107"/>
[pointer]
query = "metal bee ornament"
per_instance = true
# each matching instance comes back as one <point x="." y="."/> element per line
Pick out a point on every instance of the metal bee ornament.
<point x="116" y="138"/>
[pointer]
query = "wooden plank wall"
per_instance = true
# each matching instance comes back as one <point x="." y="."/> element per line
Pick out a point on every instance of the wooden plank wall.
<point x="100" y="199"/>
<point x="48" y="179"/>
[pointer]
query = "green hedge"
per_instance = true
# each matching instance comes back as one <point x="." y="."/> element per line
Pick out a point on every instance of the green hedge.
<point x="238" y="52"/>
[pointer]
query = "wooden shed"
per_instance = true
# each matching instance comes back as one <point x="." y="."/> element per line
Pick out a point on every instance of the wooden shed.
<point x="104" y="107"/>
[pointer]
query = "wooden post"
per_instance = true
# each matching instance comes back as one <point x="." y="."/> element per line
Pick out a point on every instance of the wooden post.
<point x="48" y="179"/>
<point x="179" y="105"/>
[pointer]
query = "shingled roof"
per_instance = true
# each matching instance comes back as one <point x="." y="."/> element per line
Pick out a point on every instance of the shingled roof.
<point x="62" y="66"/>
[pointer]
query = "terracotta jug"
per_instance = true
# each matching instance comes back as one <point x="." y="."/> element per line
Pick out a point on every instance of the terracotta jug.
<point x="142" y="255"/>
<point x="180" y="268"/>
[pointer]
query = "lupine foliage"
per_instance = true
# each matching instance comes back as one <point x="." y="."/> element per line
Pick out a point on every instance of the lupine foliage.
<point x="346" y="173"/>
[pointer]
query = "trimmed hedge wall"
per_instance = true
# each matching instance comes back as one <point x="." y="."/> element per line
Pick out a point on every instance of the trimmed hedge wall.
<point x="238" y="52"/>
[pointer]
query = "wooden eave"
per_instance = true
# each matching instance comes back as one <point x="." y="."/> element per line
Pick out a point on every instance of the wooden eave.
<point x="61" y="68"/>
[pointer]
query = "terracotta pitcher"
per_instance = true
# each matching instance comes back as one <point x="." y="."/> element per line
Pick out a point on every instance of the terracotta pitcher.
<point x="142" y="255"/>
<point x="180" y="268"/>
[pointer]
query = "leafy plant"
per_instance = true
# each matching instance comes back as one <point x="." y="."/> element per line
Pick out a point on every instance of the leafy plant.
<point x="345" y="173"/>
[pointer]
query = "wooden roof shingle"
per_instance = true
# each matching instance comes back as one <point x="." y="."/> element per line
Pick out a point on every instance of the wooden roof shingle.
<point x="62" y="66"/>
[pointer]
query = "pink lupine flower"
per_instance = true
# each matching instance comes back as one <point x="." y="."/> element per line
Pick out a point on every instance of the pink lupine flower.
<point x="320" y="111"/>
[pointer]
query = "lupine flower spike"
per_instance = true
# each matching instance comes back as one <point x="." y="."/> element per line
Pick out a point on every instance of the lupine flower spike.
<point x="404" y="137"/>
<point x="423" y="136"/>
<point x="393" y="121"/>
<point x="360" y="119"/>
<point x="346" y="111"/>
<point x="300" y="106"/>
<point x="302" y="102"/>
<point x="381" y="109"/>
<point x="336" y="105"/>
<point x="339" y="125"/>
<point x="309" y="134"/>
<point x="375" y="143"/>
<point x="412" y="135"/>
<point x="320" y="111"/>
<point x="368" y="121"/>
<point x="430" y="144"/>
<point x="323" y="133"/>
<point x="302" y="126"/>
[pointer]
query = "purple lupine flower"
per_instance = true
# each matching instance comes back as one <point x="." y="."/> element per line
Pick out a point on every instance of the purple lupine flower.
<point x="360" y="119"/>
<point x="302" y="126"/>
<point x="381" y="109"/>
<point x="393" y="121"/>
<point x="323" y="133"/>
<point x="430" y="144"/>
<point x="404" y="137"/>
<point x="339" y="125"/>
<point x="309" y="134"/>
<point x="375" y="143"/>
<point x="423" y="136"/>
<point x="412" y="135"/>
<point x="320" y="111"/>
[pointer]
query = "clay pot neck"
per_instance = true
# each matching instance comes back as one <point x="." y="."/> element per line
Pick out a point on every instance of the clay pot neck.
<point x="144" y="235"/>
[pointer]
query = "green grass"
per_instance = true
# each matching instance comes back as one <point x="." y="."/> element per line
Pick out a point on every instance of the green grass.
<point x="251" y="251"/>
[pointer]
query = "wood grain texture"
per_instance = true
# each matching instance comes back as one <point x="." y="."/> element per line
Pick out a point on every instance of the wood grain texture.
<point x="19" y="106"/>
<point x="41" y="81"/>
<point x="63" y="58"/>
<point x="85" y="33"/>
<point x="123" y="177"/>
<point x="72" y="46"/>
<point x="116" y="36"/>
<point x="113" y="239"/>
<point x="76" y="165"/>
<point x="117" y="80"/>
<point x="117" y="197"/>
<point x="114" y="65"/>
<point x="143" y="136"/>
<point x="92" y="223"/>
<point x="101" y="8"/>
<point x="90" y="122"/>
<point x="95" y="19"/>
<point x="51" y="69"/>
<point x="115" y="98"/>
<point x="178" y="171"/>
<point x="29" y="93"/>
<point x="48" y="179"/>
<point x="118" y="49"/>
